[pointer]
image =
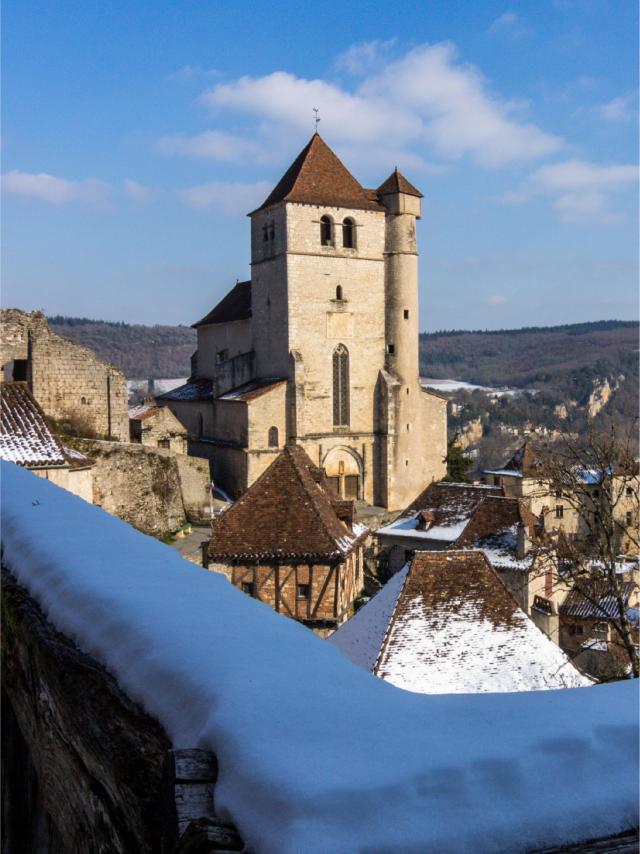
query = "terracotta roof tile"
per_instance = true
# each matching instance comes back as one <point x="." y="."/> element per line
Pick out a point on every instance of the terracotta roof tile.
<point x="286" y="514"/>
<point x="456" y="628"/>
<point x="236" y="305"/>
<point x="318" y="177"/>
<point x="397" y="183"/>
<point x="450" y="500"/>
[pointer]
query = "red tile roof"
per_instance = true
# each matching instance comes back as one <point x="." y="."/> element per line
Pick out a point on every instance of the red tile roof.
<point x="318" y="177"/>
<point x="236" y="305"/>
<point x="287" y="513"/>
<point x="397" y="183"/>
<point x="448" y="501"/>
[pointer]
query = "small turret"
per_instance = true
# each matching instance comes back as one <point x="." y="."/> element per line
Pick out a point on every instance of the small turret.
<point x="402" y="201"/>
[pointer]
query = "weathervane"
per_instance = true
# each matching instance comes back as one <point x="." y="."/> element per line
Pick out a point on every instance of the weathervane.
<point x="316" y="119"/>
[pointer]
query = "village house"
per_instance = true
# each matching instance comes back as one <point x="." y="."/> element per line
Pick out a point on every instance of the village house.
<point x="157" y="427"/>
<point x="433" y="521"/>
<point x="27" y="440"/>
<point x="526" y="476"/>
<point x="320" y="347"/>
<point x="289" y="542"/>
<point x="447" y="624"/>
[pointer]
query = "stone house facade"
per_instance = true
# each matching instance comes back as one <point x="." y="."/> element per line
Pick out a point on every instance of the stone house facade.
<point x="70" y="383"/>
<point x="291" y="544"/>
<point x="327" y="332"/>
<point x="157" y="427"/>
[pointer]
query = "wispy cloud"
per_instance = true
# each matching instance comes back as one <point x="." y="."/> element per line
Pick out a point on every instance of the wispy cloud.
<point x="497" y="299"/>
<point x="579" y="190"/>
<point x="212" y="144"/>
<point x="618" y="109"/>
<point x="228" y="197"/>
<point x="137" y="192"/>
<point x="510" y="24"/>
<point x="364" y="56"/>
<point x="56" y="191"/>
<point x="194" y="72"/>
<point x="428" y="103"/>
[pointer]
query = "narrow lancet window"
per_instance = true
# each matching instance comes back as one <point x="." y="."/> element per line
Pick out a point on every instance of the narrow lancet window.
<point x="326" y="231"/>
<point x="273" y="437"/>
<point x="348" y="233"/>
<point x="340" y="386"/>
<point x="339" y="292"/>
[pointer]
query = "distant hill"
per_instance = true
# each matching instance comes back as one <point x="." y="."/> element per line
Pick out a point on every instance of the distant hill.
<point x="139" y="351"/>
<point x="565" y="358"/>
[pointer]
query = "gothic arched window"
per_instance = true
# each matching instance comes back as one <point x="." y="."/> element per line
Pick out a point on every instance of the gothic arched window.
<point x="348" y="233"/>
<point x="340" y="386"/>
<point x="273" y="437"/>
<point x="326" y="231"/>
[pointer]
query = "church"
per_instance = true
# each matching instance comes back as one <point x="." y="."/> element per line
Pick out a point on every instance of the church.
<point x="320" y="347"/>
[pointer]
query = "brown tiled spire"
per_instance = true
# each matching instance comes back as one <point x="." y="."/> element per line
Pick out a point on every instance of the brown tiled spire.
<point x="318" y="177"/>
<point x="286" y="513"/>
<point x="397" y="183"/>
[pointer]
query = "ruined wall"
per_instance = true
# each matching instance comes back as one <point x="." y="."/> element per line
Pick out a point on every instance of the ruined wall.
<point x="69" y="381"/>
<point x="150" y="488"/>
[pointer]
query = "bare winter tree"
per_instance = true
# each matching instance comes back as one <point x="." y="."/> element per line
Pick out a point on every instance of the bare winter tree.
<point x="591" y="485"/>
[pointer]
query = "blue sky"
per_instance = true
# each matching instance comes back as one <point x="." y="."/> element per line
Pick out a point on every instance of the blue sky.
<point x="137" y="135"/>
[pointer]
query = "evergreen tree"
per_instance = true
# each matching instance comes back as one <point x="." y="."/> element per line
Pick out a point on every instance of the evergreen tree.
<point x="457" y="464"/>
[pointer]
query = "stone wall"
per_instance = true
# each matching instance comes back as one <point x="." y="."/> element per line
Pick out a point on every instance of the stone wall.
<point x="69" y="382"/>
<point x="150" y="488"/>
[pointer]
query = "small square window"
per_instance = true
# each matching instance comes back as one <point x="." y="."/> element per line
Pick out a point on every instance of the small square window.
<point x="406" y="314"/>
<point x="303" y="591"/>
<point x="222" y="356"/>
<point x="629" y="490"/>
<point x="559" y="511"/>
<point x="248" y="587"/>
<point x="391" y="348"/>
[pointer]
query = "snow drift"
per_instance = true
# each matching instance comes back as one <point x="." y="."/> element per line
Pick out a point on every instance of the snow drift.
<point x="316" y="755"/>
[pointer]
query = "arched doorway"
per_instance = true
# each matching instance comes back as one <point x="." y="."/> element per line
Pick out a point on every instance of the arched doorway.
<point x="343" y="468"/>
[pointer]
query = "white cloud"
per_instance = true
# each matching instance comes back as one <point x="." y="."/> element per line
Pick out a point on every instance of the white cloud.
<point x="363" y="56"/>
<point x="497" y="299"/>
<point x="580" y="191"/>
<point x="212" y="144"/>
<point x="510" y="24"/>
<point x="426" y="103"/>
<point x="581" y="175"/>
<point x="56" y="191"/>
<point x="616" y="110"/>
<point x="228" y="197"/>
<point x="137" y="191"/>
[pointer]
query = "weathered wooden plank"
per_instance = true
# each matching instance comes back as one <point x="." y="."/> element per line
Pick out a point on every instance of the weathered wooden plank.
<point x="205" y="836"/>
<point x="197" y="766"/>
<point x="193" y="801"/>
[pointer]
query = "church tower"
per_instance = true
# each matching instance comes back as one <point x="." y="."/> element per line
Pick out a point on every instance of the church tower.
<point x="320" y="348"/>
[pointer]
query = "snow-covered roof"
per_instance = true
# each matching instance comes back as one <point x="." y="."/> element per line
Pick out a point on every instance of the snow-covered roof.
<point x="251" y="390"/>
<point x="25" y="436"/>
<point x="195" y="390"/>
<point x="440" y="513"/>
<point x="453" y="628"/>
<point x="144" y="411"/>
<point x="314" y="754"/>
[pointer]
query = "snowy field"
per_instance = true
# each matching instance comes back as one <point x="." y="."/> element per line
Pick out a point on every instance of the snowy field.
<point x="316" y="755"/>
<point x="451" y="386"/>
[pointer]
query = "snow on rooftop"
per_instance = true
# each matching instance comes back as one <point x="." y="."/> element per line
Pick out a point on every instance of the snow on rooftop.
<point x="408" y="527"/>
<point x="315" y="755"/>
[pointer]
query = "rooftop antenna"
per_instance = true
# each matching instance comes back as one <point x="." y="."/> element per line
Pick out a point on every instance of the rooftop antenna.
<point x="316" y="119"/>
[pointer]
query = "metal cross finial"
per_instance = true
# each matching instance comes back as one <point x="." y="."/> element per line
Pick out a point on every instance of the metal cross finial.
<point x="316" y="120"/>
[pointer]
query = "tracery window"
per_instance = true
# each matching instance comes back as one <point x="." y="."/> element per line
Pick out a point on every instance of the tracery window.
<point x="340" y="386"/>
<point x="348" y="233"/>
<point x="326" y="231"/>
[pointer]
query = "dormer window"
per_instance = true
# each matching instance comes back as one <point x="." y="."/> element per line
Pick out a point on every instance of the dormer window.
<point x="348" y="233"/>
<point x="326" y="231"/>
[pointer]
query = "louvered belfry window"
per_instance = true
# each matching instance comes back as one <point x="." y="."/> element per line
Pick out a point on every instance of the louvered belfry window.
<point x="340" y="386"/>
